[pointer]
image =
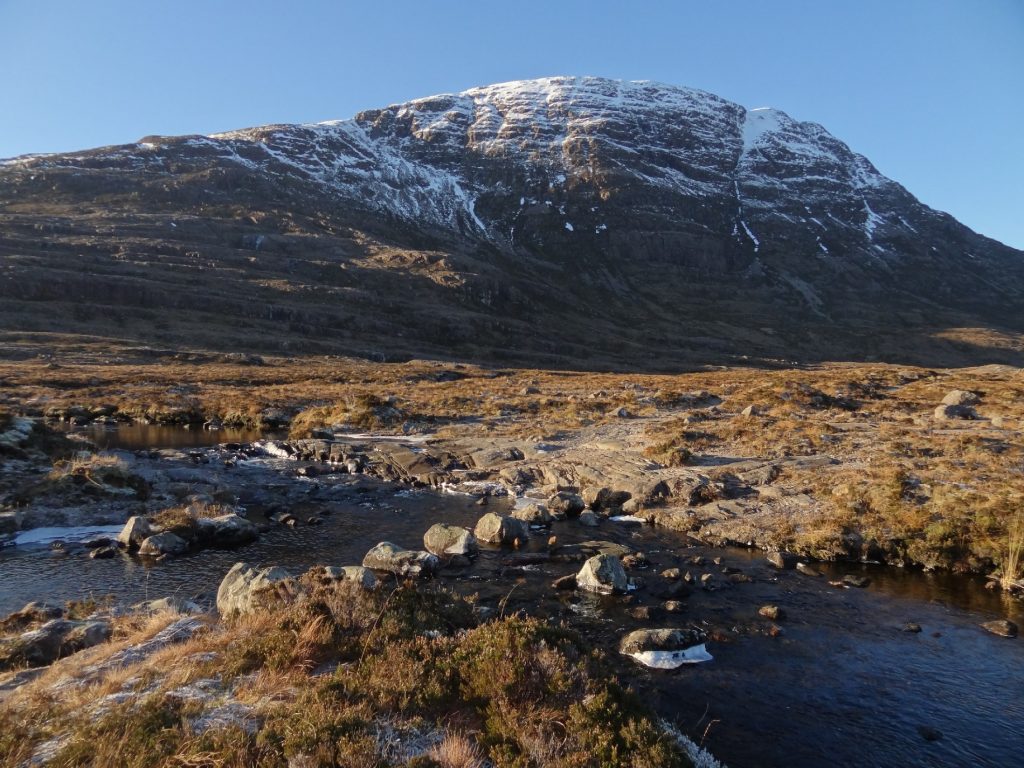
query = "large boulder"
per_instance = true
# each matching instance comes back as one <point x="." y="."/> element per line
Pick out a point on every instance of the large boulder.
<point x="228" y="530"/>
<point x="163" y="544"/>
<point x="245" y="589"/>
<point x="665" y="648"/>
<point x="499" y="529"/>
<point x="603" y="574"/>
<point x="401" y="562"/>
<point x="447" y="541"/>
<point x="135" y="531"/>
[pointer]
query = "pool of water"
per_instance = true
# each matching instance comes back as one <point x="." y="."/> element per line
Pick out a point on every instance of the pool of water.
<point x="135" y="437"/>
<point x="843" y="685"/>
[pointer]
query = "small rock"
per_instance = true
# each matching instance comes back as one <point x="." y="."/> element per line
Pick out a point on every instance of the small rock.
<point x="673" y="606"/>
<point x="782" y="560"/>
<point x="401" y="562"/>
<point x="228" y="530"/>
<point x="163" y="544"/>
<point x="499" y="529"/>
<point x="1001" y="627"/>
<point x="603" y="574"/>
<point x="364" y="577"/>
<point x="772" y="612"/>
<point x="446" y="540"/>
<point x="960" y="397"/>
<point x="534" y="514"/>
<point x="635" y="560"/>
<point x="647" y="613"/>
<point x="665" y="648"/>
<point x="589" y="518"/>
<point x="750" y="412"/>
<point x="135" y="531"/>
<point x="566" y="504"/>
<point x="672" y="574"/>
<point x="245" y="589"/>
<point x="853" y="580"/>
<point x="103" y="553"/>
<point x="912" y="626"/>
<point x="807" y="570"/>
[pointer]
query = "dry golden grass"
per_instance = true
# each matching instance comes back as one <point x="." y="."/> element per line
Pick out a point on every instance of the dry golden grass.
<point x="875" y="419"/>
<point x="523" y="688"/>
<point x="457" y="750"/>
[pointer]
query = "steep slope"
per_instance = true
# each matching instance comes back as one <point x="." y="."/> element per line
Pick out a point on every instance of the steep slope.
<point x="565" y="220"/>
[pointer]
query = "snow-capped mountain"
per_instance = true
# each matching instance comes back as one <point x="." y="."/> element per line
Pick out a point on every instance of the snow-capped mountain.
<point x="631" y="203"/>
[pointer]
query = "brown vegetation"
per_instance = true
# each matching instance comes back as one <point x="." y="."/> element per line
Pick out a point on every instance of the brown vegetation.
<point x="346" y="677"/>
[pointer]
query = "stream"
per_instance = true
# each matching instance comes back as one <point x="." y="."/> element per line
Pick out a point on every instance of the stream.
<point x="843" y="685"/>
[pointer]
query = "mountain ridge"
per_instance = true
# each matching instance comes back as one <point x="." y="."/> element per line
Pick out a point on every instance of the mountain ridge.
<point x="662" y="206"/>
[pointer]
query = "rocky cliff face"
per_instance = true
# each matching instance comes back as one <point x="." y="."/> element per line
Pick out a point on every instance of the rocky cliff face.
<point x="579" y="220"/>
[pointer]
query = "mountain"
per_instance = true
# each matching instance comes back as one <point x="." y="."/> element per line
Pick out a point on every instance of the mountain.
<point x="562" y="221"/>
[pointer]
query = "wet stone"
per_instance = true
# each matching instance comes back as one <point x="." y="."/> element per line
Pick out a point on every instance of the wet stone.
<point x="1001" y="627"/>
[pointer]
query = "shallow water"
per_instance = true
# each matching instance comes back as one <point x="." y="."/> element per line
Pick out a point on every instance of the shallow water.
<point x="135" y="437"/>
<point x="842" y="686"/>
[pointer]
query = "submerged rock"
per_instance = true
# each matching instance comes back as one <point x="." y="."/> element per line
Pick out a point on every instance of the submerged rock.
<point x="782" y="560"/>
<point x="665" y="648"/>
<point x="245" y="589"/>
<point x="228" y="530"/>
<point x="1001" y="627"/>
<point x="772" y="612"/>
<point x="401" y="562"/>
<point x="603" y="574"/>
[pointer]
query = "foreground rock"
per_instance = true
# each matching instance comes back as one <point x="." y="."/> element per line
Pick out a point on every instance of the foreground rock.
<point x="665" y="648"/>
<point x="604" y="575"/>
<point x="401" y="562"/>
<point x="245" y="589"/>
<point x="448" y="541"/>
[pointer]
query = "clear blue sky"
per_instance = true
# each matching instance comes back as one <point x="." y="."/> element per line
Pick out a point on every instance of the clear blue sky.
<point x="932" y="91"/>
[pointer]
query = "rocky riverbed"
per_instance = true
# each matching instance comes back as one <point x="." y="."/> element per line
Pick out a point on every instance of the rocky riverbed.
<point x="486" y="518"/>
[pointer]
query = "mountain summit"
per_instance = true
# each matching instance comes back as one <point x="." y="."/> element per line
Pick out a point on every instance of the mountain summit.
<point x="576" y="220"/>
